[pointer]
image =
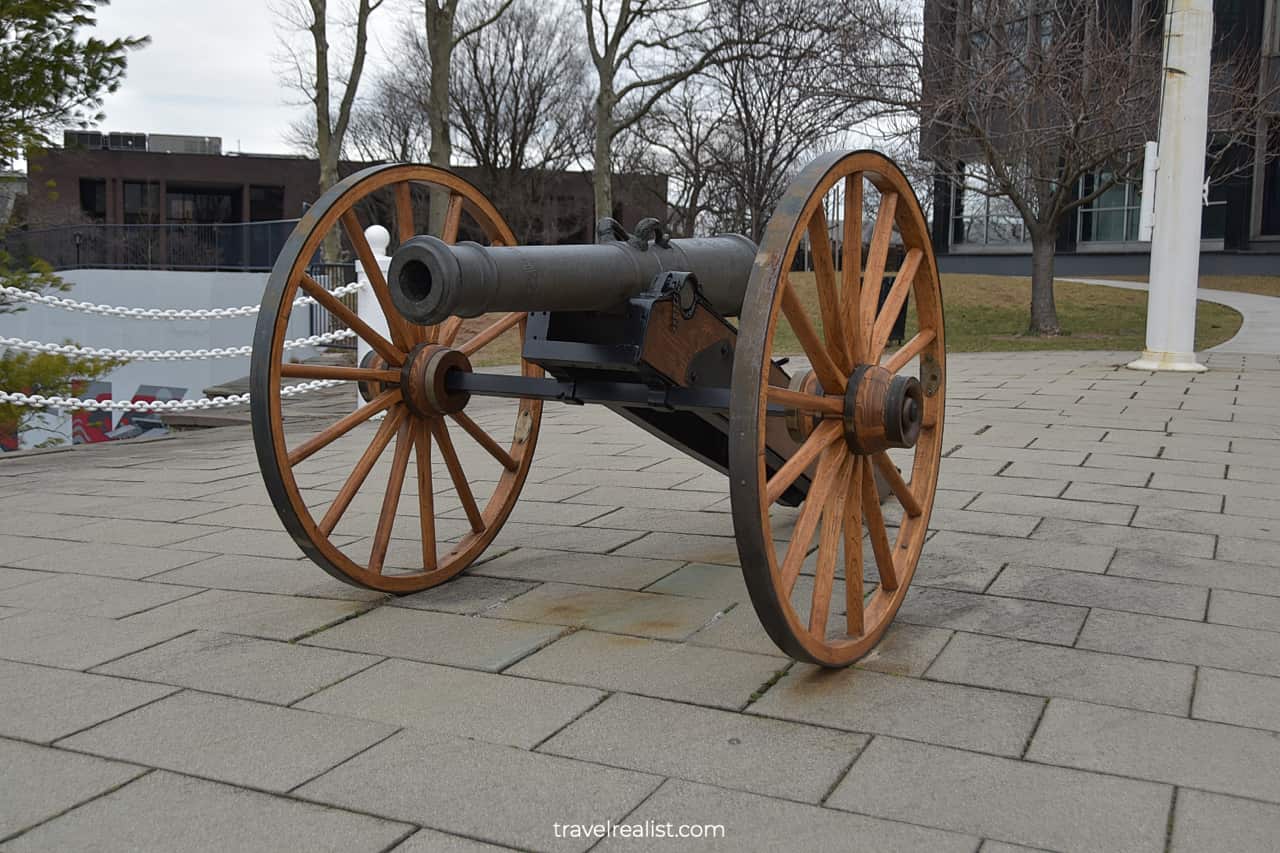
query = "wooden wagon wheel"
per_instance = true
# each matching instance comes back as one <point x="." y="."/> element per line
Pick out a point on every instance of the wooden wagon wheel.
<point x="402" y="381"/>
<point x="859" y="404"/>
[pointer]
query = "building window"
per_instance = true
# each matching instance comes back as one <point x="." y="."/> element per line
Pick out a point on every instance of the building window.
<point x="1213" y="218"/>
<point x="141" y="203"/>
<point x="93" y="198"/>
<point x="204" y="205"/>
<point x="1113" y="216"/>
<point x="1271" y="184"/>
<point x="1274" y="6"/>
<point x="982" y="220"/>
<point x="266" y="204"/>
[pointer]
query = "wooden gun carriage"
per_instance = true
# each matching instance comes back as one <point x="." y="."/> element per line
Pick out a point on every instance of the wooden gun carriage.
<point x="777" y="378"/>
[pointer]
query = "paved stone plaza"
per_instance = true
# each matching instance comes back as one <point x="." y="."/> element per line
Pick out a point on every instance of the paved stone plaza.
<point x="1088" y="658"/>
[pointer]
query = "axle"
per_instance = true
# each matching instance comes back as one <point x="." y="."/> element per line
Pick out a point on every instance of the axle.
<point x="431" y="280"/>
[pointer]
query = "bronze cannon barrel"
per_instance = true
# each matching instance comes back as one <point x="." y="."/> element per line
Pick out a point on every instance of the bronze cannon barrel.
<point x="431" y="280"/>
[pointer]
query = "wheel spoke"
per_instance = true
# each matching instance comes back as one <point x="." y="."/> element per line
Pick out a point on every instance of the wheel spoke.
<point x="341" y="427"/>
<point x="900" y="488"/>
<point x="807" y="522"/>
<point x="336" y="307"/>
<point x="824" y="272"/>
<point x="449" y="330"/>
<point x="819" y="440"/>
<point x="296" y="370"/>
<point x="485" y="440"/>
<point x="452" y="219"/>
<point x="909" y="350"/>
<point x="877" y="257"/>
<point x="361" y="472"/>
<point x="460" y="484"/>
<point x="853" y="550"/>
<point x="893" y="304"/>
<point x="377" y="281"/>
<point x="876" y="528"/>
<point x="426" y="499"/>
<point x="404" y="211"/>
<point x="407" y="231"/>
<point x="819" y="404"/>
<point x="828" y="373"/>
<point x="851" y="264"/>
<point x="391" y="497"/>
<point x="491" y="333"/>
<point x="824" y="577"/>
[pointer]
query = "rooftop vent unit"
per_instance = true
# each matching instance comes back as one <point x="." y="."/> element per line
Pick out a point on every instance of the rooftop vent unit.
<point x="170" y="143"/>
<point x="126" y="142"/>
<point x="91" y="139"/>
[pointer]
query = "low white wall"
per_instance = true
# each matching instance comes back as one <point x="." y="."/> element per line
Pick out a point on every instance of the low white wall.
<point x="153" y="289"/>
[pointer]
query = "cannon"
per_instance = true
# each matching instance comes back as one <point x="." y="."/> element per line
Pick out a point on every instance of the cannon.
<point x="776" y="377"/>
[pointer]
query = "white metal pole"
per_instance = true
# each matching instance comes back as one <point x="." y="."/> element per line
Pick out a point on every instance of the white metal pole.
<point x="367" y="305"/>
<point x="1175" y="244"/>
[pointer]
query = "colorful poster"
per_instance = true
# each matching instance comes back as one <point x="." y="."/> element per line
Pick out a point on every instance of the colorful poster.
<point x="89" y="427"/>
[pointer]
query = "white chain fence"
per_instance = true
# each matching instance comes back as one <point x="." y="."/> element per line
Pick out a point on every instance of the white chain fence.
<point x="76" y="403"/>
<point x="43" y="402"/>
<point x="155" y="313"/>
<point x="168" y="354"/>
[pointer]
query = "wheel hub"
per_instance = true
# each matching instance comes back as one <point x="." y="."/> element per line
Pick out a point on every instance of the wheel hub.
<point x="800" y="424"/>
<point x="881" y="410"/>
<point x="422" y="379"/>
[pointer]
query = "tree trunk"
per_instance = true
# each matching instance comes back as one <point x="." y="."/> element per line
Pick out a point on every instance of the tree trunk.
<point x="602" y="171"/>
<point x="328" y="156"/>
<point x="1044" y="313"/>
<point x="440" y="153"/>
<point x="326" y="150"/>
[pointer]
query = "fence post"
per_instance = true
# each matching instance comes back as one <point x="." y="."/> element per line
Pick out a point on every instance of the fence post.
<point x="367" y="305"/>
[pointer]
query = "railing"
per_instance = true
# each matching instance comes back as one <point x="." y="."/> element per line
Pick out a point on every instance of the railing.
<point x="331" y="277"/>
<point x="241" y="246"/>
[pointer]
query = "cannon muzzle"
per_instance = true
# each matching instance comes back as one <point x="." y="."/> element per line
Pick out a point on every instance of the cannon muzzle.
<point x="431" y="280"/>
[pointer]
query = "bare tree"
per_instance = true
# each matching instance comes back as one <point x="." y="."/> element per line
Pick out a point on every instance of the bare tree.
<point x="440" y="18"/>
<point x="388" y="123"/>
<point x="315" y="70"/>
<point x="1050" y="106"/>
<point x="779" y="103"/>
<point x="641" y="51"/>
<point x="520" y="106"/>
<point x="681" y="138"/>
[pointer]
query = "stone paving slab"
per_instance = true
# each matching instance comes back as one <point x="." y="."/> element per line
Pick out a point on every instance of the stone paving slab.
<point x="231" y="740"/>
<point x="108" y="598"/>
<point x="771" y="757"/>
<point x="758" y="823"/>
<point x="1086" y="658"/>
<point x="72" y="641"/>
<point x="468" y="641"/>
<point x="1214" y="822"/>
<point x="1046" y="670"/>
<point x="40" y="783"/>
<point x="866" y="701"/>
<point x="163" y="812"/>
<point x="42" y="704"/>
<point x="1026" y="803"/>
<point x="274" y="617"/>
<point x="245" y="667"/>
<point x="494" y="793"/>
<point x="1209" y="756"/>
<point x="480" y="705"/>
<point x="1239" y="698"/>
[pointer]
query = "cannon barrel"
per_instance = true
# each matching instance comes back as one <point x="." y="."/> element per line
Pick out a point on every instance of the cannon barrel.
<point x="431" y="280"/>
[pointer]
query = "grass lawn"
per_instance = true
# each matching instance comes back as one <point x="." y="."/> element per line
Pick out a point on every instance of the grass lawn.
<point x="990" y="313"/>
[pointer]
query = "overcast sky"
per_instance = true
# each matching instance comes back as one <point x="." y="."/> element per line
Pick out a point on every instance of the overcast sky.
<point x="209" y="70"/>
